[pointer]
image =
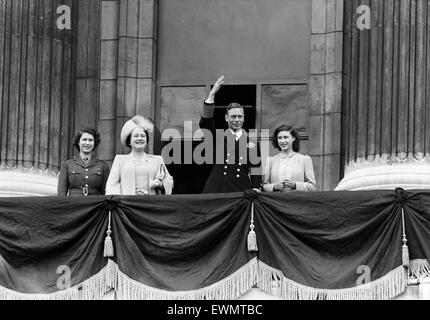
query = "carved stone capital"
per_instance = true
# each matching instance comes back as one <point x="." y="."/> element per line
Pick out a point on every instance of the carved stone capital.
<point x="21" y="182"/>
<point x="406" y="170"/>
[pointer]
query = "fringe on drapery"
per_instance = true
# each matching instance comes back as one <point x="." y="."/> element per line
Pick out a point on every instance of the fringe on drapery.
<point x="229" y="288"/>
<point x="418" y="269"/>
<point x="255" y="272"/>
<point x="273" y="282"/>
<point x="93" y="288"/>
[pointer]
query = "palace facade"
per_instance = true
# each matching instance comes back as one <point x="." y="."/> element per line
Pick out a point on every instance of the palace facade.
<point x="352" y="76"/>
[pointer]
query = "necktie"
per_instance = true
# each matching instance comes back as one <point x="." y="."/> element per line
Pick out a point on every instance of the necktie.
<point x="86" y="161"/>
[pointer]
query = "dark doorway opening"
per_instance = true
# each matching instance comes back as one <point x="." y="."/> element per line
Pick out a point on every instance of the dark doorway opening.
<point x="245" y="95"/>
<point x="191" y="178"/>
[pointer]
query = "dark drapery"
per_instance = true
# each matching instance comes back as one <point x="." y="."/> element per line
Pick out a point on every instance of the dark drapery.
<point x="327" y="240"/>
<point x="41" y="236"/>
<point x="310" y="245"/>
<point x="417" y="223"/>
<point x="182" y="242"/>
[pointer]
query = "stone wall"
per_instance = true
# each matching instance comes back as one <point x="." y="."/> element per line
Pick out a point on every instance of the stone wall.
<point x="127" y="67"/>
<point x="325" y="89"/>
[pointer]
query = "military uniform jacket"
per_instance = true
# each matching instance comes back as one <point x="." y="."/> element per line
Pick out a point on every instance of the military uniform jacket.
<point x="75" y="176"/>
<point x="238" y="168"/>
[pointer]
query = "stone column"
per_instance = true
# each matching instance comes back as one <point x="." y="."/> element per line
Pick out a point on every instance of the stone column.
<point x="386" y="110"/>
<point x="325" y="91"/>
<point x="37" y="82"/>
<point x="87" y="63"/>
<point x="48" y="88"/>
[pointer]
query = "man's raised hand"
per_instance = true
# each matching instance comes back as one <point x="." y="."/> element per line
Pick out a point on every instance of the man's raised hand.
<point x="217" y="85"/>
<point x="215" y="89"/>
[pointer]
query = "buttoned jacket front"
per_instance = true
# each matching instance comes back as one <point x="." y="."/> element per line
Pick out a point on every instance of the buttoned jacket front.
<point x="78" y="179"/>
<point x="237" y="163"/>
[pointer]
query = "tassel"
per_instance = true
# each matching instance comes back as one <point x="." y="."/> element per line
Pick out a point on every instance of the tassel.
<point x="108" y="249"/>
<point x="252" y="236"/>
<point x="405" y="250"/>
<point x="405" y="255"/>
<point x="252" y="240"/>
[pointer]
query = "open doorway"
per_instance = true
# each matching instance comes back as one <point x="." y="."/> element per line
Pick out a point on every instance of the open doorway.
<point x="245" y="95"/>
<point x="191" y="178"/>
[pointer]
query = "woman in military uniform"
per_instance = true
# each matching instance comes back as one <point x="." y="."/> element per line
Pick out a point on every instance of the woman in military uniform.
<point x="84" y="174"/>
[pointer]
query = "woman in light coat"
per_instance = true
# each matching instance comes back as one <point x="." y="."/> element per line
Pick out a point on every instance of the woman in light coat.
<point x="138" y="173"/>
<point x="288" y="170"/>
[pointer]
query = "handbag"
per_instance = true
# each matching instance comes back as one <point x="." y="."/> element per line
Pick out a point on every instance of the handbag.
<point x="161" y="174"/>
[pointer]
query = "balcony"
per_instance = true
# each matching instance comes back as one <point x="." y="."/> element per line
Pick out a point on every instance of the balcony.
<point x="322" y="245"/>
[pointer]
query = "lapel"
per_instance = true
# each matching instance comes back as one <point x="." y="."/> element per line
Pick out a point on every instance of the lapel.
<point x="243" y="137"/>
<point x="93" y="161"/>
<point x="275" y="168"/>
<point x="128" y="175"/>
<point x="242" y="145"/>
<point x="229" y="136"/>
<point x="152" y="166"/>
<point x="78" y="161"/>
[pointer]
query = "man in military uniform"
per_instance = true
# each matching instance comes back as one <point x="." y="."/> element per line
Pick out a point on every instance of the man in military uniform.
<point x="240" y="167"/>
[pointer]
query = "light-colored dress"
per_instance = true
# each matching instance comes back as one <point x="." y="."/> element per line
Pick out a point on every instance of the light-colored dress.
<point x="128" y="177"/>
<point x="296" y="167"/>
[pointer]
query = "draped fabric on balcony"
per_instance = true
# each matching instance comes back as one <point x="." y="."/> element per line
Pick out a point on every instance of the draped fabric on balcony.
<point x="322" y="245"/>
<point x="417" y="224"/>
<point x="162" y="245"/>
<point x="328" y="241"/>
<point x="42" y="236"/>
<point x="183" y="243"/>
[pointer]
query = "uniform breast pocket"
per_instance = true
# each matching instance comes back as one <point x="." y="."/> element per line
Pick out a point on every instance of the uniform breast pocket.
<point x="75" y="178"/>
<point x="96" y="175"/>
<point x="97" y="172"/>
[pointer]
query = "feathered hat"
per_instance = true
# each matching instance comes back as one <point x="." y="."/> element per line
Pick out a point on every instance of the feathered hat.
<point x="136" y="122"/>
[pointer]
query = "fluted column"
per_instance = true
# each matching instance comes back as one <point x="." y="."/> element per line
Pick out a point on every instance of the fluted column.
<point x="36" y="95"/>
<point x="386" y="96"/>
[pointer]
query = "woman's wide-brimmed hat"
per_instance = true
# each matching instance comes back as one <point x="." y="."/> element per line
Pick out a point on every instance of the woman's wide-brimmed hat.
<point x="135" y="122"/>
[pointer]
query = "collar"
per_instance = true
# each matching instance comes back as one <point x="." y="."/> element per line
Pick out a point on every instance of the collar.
<point x="285" y="156"/>
<point x="238" y="133"/>
<point x="80" y="161"/>
<point x="144" y="155"/>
